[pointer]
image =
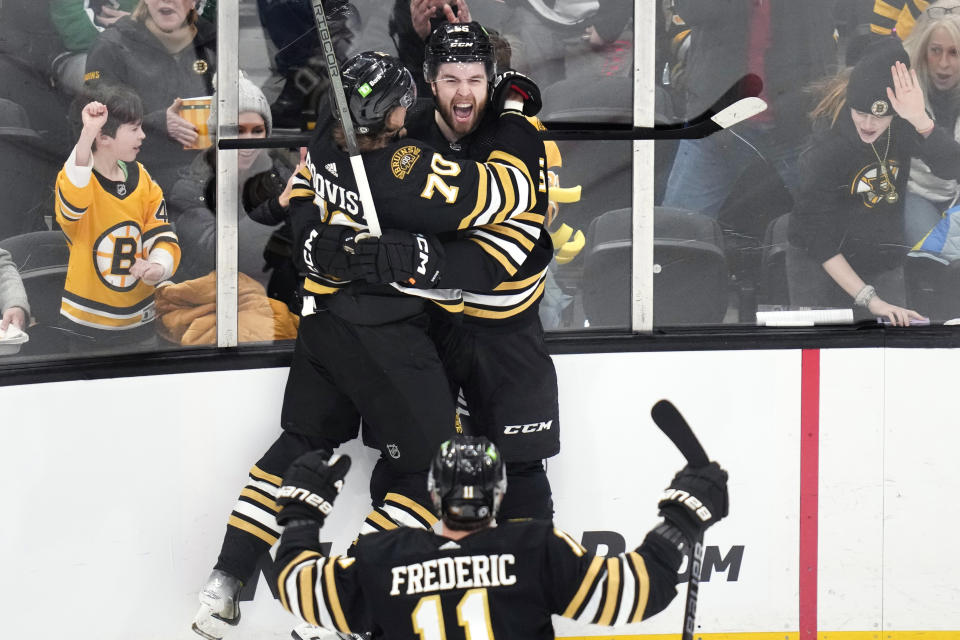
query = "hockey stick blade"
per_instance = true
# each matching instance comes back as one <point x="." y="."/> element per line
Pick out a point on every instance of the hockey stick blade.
<point x="739" y="111"/>
<point x="674" y="426"/>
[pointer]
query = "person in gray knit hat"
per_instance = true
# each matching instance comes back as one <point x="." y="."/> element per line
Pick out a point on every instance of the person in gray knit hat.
<point x="264" y="184"/>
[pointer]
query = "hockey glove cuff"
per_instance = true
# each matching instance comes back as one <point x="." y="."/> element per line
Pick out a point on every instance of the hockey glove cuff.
<point x="409" y="259"/>
<point x="310" y="486"/>
<point x="696" y="499"/>
<point x="523" y="85"/>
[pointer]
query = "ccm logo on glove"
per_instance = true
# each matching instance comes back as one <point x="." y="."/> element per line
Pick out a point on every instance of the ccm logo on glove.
<point x="424" y="248"/>
<point x="690" y="501"/>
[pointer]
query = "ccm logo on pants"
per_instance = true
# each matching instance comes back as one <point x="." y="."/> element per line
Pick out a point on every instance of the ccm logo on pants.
<point x="533" y="427"/>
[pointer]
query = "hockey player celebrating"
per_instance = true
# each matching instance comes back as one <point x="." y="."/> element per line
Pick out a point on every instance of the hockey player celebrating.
<point x="496" y="356"/>
<point x="475" y="580"/>
<point x="364" y="351"/>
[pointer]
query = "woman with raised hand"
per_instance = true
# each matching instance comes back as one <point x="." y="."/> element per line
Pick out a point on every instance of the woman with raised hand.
<point x="846" y="231"/>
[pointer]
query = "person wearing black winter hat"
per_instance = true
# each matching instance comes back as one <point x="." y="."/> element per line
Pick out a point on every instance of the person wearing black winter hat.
<point x="846" y="230"/>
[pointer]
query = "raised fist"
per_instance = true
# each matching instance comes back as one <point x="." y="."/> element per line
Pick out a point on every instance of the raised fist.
<point x="310" y="486"/>
<point x="697" y="498"/>
<point x="518" y="86"/>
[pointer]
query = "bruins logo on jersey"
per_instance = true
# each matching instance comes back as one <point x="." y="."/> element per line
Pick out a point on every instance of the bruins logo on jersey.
<point x="403" y="160"/>
<point x="114" y="253"/>
<point x="867" y="182"/>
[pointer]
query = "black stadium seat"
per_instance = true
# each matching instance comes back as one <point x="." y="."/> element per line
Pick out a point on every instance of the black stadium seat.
<point x="41" y="257"/>
<point x="690" y="282"/>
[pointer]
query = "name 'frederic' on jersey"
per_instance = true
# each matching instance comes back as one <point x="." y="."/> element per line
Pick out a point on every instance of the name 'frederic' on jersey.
<point x="462" y="572"/>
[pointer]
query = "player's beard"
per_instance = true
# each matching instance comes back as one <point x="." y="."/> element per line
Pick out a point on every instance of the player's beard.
<point x="461" y="127"/>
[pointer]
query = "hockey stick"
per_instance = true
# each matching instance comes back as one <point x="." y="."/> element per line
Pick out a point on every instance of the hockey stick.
<point x="333" y="70"/>
<point x="668" y="419"/>
<point x="740" y="102"/>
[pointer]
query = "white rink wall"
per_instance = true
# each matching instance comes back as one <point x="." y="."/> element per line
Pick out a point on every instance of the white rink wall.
<point x="121" y="489"/>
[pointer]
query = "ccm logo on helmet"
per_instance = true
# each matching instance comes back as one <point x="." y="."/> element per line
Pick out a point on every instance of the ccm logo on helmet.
<point x="690" y="501"/>
<point x="533" y="427"/>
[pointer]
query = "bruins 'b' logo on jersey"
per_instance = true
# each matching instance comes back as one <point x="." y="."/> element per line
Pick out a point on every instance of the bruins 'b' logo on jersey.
<point x="114" y="253"/>
<point x="403" y="160"/>
<point x="868" y="181"/>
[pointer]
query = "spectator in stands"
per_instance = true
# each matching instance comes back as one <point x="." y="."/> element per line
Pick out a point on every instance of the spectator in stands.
<point x="79" y="22"/>
<point x="896" y="17"/>
<point x="264" y="183"/>
<point x="14" y="308"/>
<point x="846" y="230"/>
<point x="299" y="59"/>
<point x="934" y="48"/>
<point x="115" y="218"/>
<point x="164" y="51"/>
<point x="787" y="45"/>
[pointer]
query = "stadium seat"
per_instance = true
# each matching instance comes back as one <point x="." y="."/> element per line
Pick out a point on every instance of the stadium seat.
<point x="690" y="282"/>
<point x="774" y="289"/>
<point x="41" y="257"/>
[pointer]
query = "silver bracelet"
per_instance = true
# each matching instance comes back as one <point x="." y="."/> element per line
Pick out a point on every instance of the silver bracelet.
<point x="865" y="295"/>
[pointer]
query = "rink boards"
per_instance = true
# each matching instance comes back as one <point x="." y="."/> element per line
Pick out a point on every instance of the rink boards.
<point x="842" y="466"/>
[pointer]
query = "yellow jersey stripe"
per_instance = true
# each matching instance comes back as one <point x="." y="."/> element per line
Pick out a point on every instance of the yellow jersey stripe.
<point x="282" y="577"/>
<point x="252" y="529"/>
<point x="503" y="230"/>
<point x="514" y="161"/>
<point x="496" y="254"/>
<point x="610" y="604"/>
<point x="643" y="585"/>
<point x="487" y="313"/>
<point x="379" y="519"/>
<point x="259" y="497"/>
<point x="482" y="186"/>
<point x="333" y="599"/>
<point x="315" y="287"/>
<point x="509" y="194"/>
<point x="411" y="505"/>
<point x="881" y="8"/>
<point x="305" y="587"/>
<point x="260" y="474"/>
<point x="518" y="284"/>
<point x="585" y="586"/>
<point x="98" y="320"/>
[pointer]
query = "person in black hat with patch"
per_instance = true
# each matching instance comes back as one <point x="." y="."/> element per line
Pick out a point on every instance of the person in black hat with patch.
<point x="846" y="230"/>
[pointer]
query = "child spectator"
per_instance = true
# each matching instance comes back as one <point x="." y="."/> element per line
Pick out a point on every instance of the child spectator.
<point x="115" y="219"/>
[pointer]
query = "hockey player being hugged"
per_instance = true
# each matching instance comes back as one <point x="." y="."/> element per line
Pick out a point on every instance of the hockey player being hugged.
<point x="494" y="355"/>
<point x="115" y="220"/>
<point x="362" y="348"/>
<point x="474" y="579"/>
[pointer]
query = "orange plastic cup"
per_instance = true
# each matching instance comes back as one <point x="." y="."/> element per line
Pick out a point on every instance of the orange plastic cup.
<point x="196" y="111"/>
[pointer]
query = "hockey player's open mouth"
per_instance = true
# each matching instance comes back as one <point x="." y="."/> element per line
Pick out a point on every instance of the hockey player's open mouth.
<point x="463" y="111"/>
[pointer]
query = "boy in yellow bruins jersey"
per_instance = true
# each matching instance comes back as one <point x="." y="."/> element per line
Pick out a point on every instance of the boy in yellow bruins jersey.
<point x="115" y="220"/>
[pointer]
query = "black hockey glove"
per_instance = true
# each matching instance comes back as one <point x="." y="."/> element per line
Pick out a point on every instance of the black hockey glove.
<point x="696" y="499"/>
<point x="409" y="259"/>
<point x="520" y="83"/>
<point x="260" y="188"/>
<point x="310" y="486"/>
<point x="329" y="250"/>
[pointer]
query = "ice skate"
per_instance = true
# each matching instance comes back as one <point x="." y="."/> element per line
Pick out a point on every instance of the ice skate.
<point x="219" y="606"/>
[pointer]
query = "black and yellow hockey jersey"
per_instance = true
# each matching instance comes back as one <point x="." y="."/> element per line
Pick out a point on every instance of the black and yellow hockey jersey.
<point x="415" y="187"/>
<point x="896" y="16"/>
<point x="108" y="226"/>
<point x="500" y="582"/>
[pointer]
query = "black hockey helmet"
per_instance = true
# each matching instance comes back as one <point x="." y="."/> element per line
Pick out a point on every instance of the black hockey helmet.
<point x="458" y="42"/>
<point x="374" y="83"/>
<point x="467" y="481"/>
